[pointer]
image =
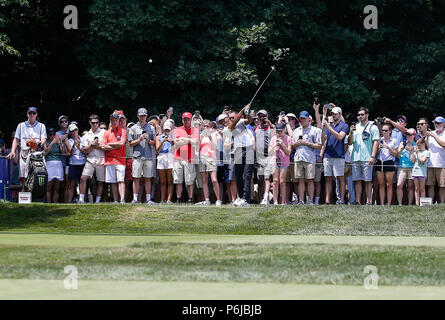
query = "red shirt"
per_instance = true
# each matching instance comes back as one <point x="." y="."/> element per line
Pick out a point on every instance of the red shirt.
<point x="116" y="156"/>
<point x="186" y="152"/>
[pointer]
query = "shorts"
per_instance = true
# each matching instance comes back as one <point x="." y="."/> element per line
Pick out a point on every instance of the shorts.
<point x="222" y="173"/>
<point x="385" y="166"/>
<point x="334" y="167"/>
<point x="75" y="171"/>
<point x="282" y="168"/>
<point x="90" y="168"/>
<point x="405" y="174"/>
<point x="291" y="173"/>
<point x="165" y="161"/>
<point x="143" y="168"/>
<point x="304" y="170"/>
<point x="265" y="168"/>
<point x="23" y="167"/>
<point x="114" y="173"/>
<point x="55" y="170"/>
<point x="128" y="169"/>
<point x="207" y="164"/>
<point x="183" y="171"/>
<point x="419" y="178"/>
<point x="436" y="175"/>
<point x="362" y="171"/>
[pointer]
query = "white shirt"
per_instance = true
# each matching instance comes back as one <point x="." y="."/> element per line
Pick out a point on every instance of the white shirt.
<point x="96" y="156"/>
<point x="77" y="158"/>
<point x="26" y="132"/>
<point x="437" y="153"/>
<point x="385" y="154"/>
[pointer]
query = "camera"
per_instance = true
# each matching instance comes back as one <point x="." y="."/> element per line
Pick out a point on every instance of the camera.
<point x="315" y="96"/>
<point x="197" y="114"/>
<point x="328" y="106"/>
<point x="381" y="121"/>
<point x="282" y="113"/>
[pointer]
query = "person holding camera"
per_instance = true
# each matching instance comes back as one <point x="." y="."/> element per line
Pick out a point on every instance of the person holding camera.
<point x="95" y="158"/>
<point x="364" y="137"/>
<point x="405" y="167"/>
<point x="306" y="140"/>
<point x="384" y="165"/>
<point x="164" y="144"/>
<point x="142" y="139"/>
<point x="436" y="165"/>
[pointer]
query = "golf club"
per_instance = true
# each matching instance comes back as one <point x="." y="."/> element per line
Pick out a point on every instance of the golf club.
<point x="272" y="69"/>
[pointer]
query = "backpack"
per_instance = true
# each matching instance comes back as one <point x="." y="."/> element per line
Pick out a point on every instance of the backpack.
<point x="37" y="180"/>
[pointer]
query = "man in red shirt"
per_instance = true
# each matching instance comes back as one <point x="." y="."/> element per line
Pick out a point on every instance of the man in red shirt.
<point x="186" y="141"/>
<point x="114" y="145"/>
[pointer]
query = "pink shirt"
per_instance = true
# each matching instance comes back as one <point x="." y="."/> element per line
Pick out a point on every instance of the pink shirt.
<point x="206" y="148"/>
<point x="282" y="157"/>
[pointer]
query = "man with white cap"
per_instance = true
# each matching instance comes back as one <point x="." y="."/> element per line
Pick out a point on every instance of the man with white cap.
<point x="436" y="162"/>
<point x="95" y="158"/>
<point x="27" y="134"/>
<point x="334" y="152"/>
<point x="143" y="140"/>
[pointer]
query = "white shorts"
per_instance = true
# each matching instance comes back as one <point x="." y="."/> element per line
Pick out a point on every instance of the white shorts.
<point x="165" y="161"/>
<point x="55" y="170"/>
<point x="142" y="168"/>
<point x="334" y="167"/>
<point x="23" y="167"/>
<point x="114" y="173"/>
<point x="89" y="169"/>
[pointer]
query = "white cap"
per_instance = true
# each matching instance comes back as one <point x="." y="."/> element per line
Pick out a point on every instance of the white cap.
<point x="221" y="117"/>
<point x="336" y="110"/>
<point x="72" y="127"/>
<point x="168" y="125"/>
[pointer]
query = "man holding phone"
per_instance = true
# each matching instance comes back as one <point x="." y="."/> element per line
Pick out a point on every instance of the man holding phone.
<point x="95" y="159"/>
<point x="142" y="139"/>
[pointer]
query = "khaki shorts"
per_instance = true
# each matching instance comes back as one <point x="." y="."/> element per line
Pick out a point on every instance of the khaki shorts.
<point x="265" y="168"/>
<point x="90" y="168"/>
<point x="405" y="174"/>
<point x="142" y="168"/>
<point x="304" y="170"/>
<point x="183" y="171"/>
<point x="436" y="175"/>
<point x="207" y="164"/>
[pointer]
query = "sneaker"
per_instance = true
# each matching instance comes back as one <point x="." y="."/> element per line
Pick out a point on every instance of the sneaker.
<point x="150" y="203"/>
<point x="81" y="202"/>
<point x="203" y="203"/>
<point x="218" y="203"/>
<point x="310" y="203"/>
<point x="355" y="203"/>
<point x="301" y="202"/>
<point x="134" y="201"/>
<point x="189" y="201"/>
<point x="169" y="202"/>
<point x="122" y="202"/>
<point x="242" y="203"/>
<point x="237" y="201"/>
<point x="116" y="202"/>
<point x="264" y="201"/>
<point x="178" y="202"/>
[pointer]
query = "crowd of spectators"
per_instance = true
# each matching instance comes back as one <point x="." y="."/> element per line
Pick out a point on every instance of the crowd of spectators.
<point x="241" y="158"/>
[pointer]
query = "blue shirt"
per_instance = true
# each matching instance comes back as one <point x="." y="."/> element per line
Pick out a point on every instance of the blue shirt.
<point x="335" y="148"/>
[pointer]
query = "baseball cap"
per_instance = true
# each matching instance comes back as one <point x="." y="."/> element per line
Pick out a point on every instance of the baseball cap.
<point x="304" y="114"/>
<point x="336" y="110"/>
<point x="290" y="115"/>
<point x="280" y="126"/>
<point x="50" y="131"/>
<point x="142" y="111"/>
<point x="400" y="116"/>
<point x="130" y="124"/>
<point x="167" y="125"/>
<point x="262" y="111"/>
<point x="439" y="120"/>
<point x="114" y="115"/>
<point x="61" y="117"/>
<point x="122" y="116"/>
<point x="72" y="127"/>
<point x="32" y="109"/>
<point x="186" y="115"/>
<point x="221" y="117"/>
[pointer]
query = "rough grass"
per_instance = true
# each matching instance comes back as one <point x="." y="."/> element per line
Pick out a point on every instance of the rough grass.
<point x="289" y="220"/>
<point x="263" y="263"/>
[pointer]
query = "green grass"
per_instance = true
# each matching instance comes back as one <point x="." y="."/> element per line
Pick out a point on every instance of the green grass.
<point x="289" y="220"/>
<point x="274" y="263"/>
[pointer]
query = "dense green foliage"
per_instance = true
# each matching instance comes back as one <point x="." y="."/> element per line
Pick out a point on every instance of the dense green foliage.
<point x="206" y="54"/>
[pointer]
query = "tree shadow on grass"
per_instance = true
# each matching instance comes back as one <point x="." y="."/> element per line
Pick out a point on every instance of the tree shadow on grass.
<point x="16" y="217"/>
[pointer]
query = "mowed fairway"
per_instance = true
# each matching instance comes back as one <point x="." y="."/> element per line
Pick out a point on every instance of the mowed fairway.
<point x="188" y="252"/>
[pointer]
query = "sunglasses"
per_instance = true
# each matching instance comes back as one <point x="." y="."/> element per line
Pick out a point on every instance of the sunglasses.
<point x="436" y="123"/>
<point x="410" y="135"/>
<point x="385" y="130"/>
<point x="361" y="114"/>
<point x="401" y="120"/>
<point x="64" y="121"/>
<point x="32" y="113"/>
<point x="51" y="134"/>
<point x="94" y="122"/>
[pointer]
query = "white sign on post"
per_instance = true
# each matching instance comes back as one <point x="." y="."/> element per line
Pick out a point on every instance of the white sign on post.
<point x="25" y="197"/>
<point x="426" y="201"/>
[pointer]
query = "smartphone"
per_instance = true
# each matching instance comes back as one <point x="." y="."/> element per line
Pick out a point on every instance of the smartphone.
<point x="282" y="113"/>
<point x="170" y="109"/>
<point x="328" y="106"/>
<point x="300" y="137"/>
<point x="197" y="114"/>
